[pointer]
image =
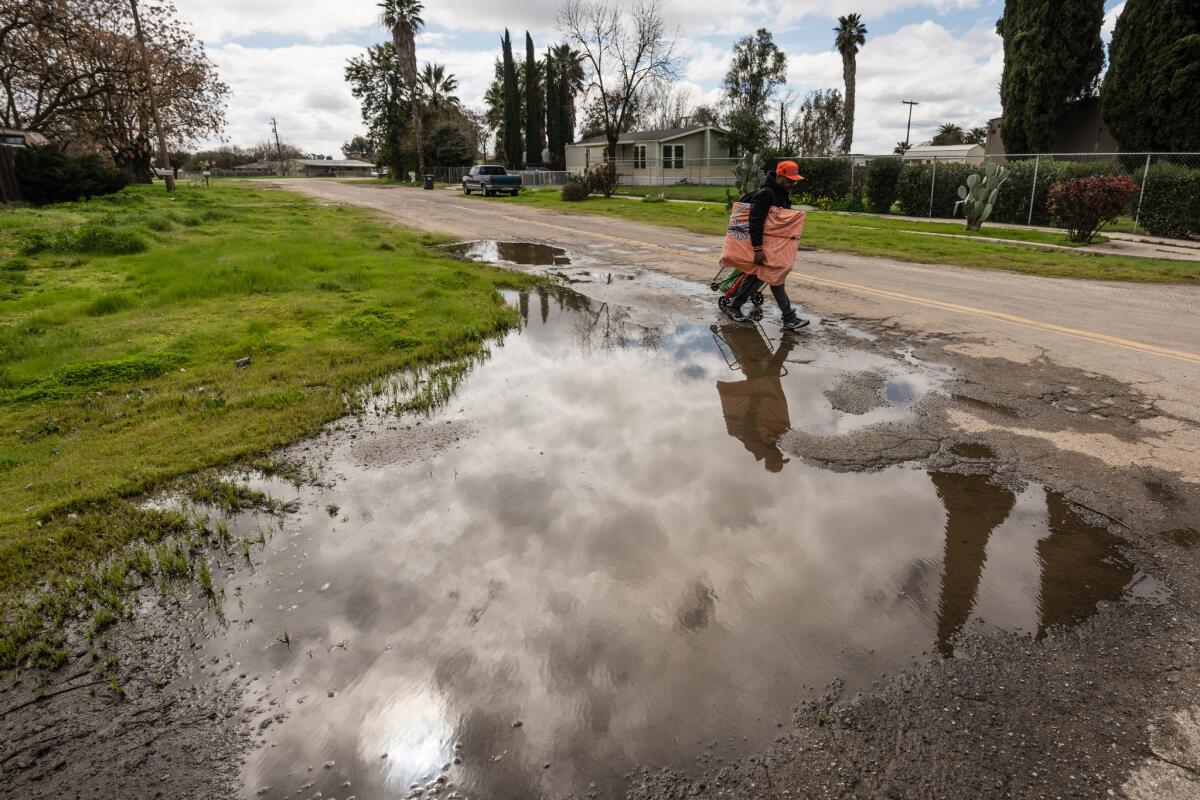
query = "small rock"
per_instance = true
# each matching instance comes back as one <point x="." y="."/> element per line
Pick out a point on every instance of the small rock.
<point x="518" y="724"/>
<point x="263" y="790"/>
<point x="242" y="362"/>
<point x="332" y="693"/>
<point x="329" y="765"/>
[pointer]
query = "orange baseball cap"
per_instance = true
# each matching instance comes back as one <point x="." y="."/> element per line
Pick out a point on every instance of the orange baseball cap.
<point x="788" y="169"/>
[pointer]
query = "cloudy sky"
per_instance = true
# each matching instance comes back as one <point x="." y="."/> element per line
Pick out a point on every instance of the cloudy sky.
<point x="284" y="58"/>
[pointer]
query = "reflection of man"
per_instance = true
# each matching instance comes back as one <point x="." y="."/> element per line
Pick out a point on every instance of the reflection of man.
<point x="755" y="409"/>
<point x="975" y="506"/>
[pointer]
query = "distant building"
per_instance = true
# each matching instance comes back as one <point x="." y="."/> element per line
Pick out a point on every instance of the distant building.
<point x="258" y="168"/>
<point x="332" y="167"/>
<point x="692" y="153"/>
<point x="14" y="137"/>
<point x="960" y="153"/>
<point x="1081" y="130"/>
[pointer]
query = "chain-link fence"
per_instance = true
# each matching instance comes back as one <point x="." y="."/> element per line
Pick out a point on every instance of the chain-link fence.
<point x="529" y="177"/>
<point x="1167" y="202"/>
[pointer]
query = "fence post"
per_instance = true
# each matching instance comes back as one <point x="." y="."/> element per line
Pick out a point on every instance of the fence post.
<point x="932" y="184"/>
<point x="1145" y="174"/>
<point x="1037" y="162"/>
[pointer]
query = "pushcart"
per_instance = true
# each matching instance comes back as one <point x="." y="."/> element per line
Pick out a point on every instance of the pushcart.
<point x="730" y="353"/>
<point x="728" y="281"/>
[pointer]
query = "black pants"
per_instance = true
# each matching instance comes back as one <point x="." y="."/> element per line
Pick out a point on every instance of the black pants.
<point x="752" y="284"/>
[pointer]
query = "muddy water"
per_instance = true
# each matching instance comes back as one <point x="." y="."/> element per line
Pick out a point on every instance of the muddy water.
<point x="596" y="556"/>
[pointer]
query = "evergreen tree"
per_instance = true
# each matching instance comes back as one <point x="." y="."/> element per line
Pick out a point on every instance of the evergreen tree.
<point x="553" y="115"/>
<point x="1151" y="94"/>
<point x="1052" y="56"/>
<point x="512" y="106"/>
<point x="534" y="137"/>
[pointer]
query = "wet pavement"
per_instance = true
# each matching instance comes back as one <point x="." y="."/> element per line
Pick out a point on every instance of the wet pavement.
<point x="596" y="555"/>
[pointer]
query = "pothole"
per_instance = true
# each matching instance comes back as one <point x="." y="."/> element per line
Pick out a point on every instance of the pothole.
<point x="604" y="540"/>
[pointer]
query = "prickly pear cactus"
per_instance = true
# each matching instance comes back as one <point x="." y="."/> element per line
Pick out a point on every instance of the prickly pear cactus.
<point x="978" y="197"/>
<point x="748" y="172"/>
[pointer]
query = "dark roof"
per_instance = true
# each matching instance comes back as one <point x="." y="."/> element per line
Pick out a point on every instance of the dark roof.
<point x="649" y="136"/>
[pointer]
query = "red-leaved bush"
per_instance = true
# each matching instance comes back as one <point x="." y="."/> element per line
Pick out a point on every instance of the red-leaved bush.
<point x="1084" y="205"/>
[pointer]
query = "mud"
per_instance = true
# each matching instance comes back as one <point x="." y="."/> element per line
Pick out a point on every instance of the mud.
<point x="635" y="537"/>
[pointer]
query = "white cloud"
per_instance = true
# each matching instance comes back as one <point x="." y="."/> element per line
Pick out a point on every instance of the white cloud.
<point x="221" y="20"/>
<point x="1110" y="22"/>
<point x="301" y="86"/>
<point x="955" y="78"/>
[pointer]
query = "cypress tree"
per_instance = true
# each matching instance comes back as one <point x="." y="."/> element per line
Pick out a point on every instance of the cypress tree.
<point x="553" y="117"/>
<point x="1151" y="94"/>
<point x="534" y="137"/>
<point x="512" y="106"/>
<point x="1052" y="56"/>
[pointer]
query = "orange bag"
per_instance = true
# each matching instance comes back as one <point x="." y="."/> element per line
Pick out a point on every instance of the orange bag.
<point x="781" y="239"/>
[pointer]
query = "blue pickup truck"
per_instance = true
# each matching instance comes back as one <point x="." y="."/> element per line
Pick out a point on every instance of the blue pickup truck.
<point x="490" y="179"/>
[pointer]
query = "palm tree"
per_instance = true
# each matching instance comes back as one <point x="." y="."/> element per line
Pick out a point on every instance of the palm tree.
<point x="901" y="148"/>
<point x="949" y="133"/>
<point x="978" y="135"/>
<point x="851" y="34"/>
<point x="437" y="88"/>
<point x="568" y="66"/>
<point x="403" y="19"/>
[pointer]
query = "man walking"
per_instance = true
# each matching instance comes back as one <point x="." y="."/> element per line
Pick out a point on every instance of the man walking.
<point x="775" y="191"/>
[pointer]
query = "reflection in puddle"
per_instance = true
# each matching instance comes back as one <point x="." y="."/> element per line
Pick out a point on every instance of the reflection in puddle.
<point x="529" y="254"/>
<point x="584" y="540"/>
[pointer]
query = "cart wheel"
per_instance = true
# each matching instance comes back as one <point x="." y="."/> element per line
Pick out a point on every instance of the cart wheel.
<point x="757" y="298"/>
<point x="723" y="302"/>
<point x="715" y="286"/>
<point x="756" y="314"/>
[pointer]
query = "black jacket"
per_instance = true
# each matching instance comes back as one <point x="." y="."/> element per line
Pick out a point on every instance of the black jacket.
<point x="761" y="201"/>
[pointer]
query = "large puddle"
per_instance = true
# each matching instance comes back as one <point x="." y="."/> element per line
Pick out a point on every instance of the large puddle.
<point x="598" y="556"/>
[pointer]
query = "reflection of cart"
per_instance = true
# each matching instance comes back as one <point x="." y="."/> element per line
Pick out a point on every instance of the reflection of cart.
<point x="728" y="281"/>
<point x="730" y="353"/>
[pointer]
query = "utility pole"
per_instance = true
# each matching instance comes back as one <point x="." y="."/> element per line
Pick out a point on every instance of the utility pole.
<point x="278" y="148"/>
<point x="781" y="125"/>
<point x="907" y="128"/>
<point x="169" y="178"/>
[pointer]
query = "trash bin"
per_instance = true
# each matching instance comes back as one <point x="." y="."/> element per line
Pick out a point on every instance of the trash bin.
<point x="428" y="181"/>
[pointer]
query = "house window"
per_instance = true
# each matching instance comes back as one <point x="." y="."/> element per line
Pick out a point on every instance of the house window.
<point x="672" y="156"/>
<point x="639" y="156"/>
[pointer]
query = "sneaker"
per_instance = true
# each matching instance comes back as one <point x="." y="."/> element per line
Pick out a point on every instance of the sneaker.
<point x="735" y="314"/>
<point x="794" y="324"/>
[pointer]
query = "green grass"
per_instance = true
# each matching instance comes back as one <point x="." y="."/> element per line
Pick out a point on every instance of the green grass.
<point x="117" y="369"/>
<point x="680" y="191"/>
<point x="891" y="238"/>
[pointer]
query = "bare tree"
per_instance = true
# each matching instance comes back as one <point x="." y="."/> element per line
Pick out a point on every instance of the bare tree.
<point x="623" y="50"/>
<point x="666" y="105"/>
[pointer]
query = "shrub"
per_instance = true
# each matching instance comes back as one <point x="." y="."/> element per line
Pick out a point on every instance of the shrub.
<point x="574" y="191"/>
<point x="603" y="178"/>
<point x="881" y="183"/>
<point x="825" y="177"/>
<point x="1084" y="205"/>
<point x="1012" y="206"/>
<point x="1171" y="205"/>
<point x="46" y="175"/>
<point x="913" y="188"/>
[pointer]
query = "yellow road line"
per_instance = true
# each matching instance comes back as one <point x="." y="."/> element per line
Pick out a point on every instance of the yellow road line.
<point x="1115" y="341"/>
